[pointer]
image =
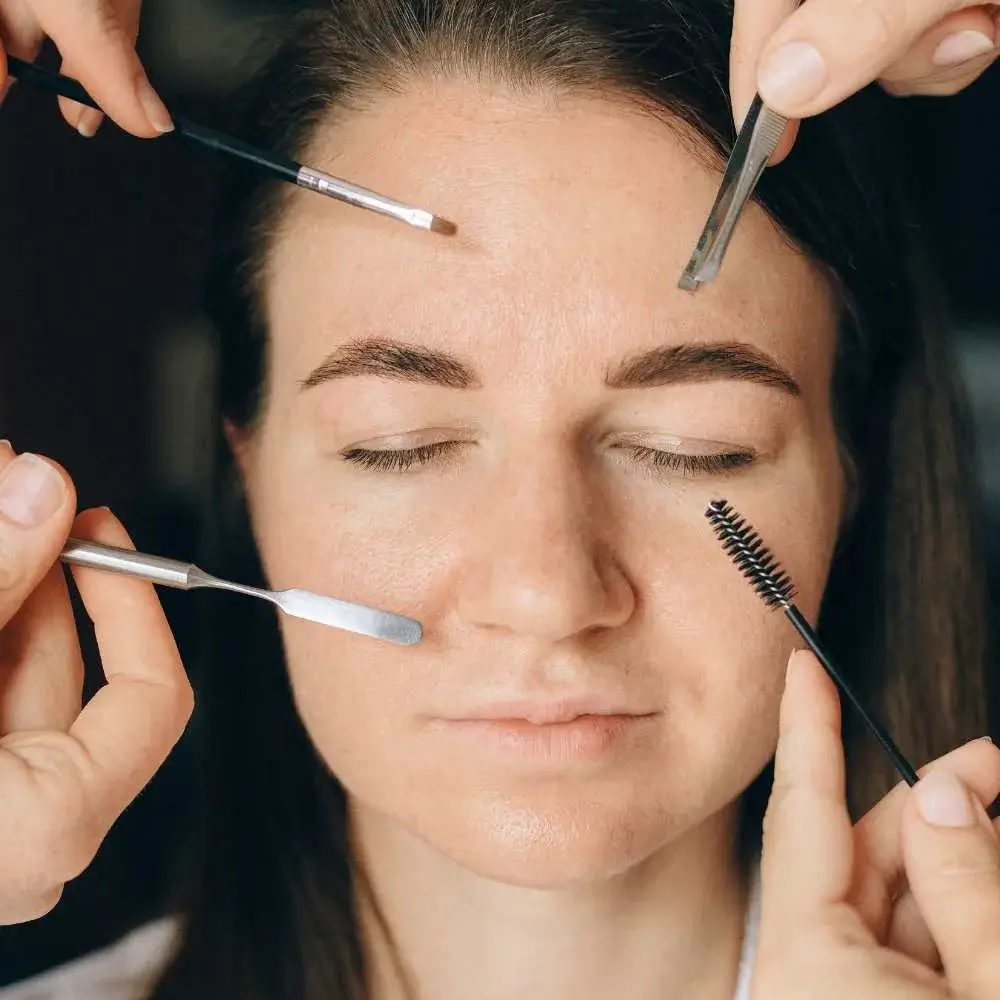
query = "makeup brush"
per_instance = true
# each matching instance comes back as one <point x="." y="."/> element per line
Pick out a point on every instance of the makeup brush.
<point x="281" y="167"/>
<point x="775" y="588"/>
<point x="297" y="603"/>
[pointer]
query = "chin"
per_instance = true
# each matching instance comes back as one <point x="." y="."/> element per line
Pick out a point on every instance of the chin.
<point x="549" y="841"/>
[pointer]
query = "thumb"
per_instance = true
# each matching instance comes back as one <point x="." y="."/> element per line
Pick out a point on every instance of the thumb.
<point x="808" y="840"/>
<point x="952" y="860"/>
<point x="94" y="41"/>
<point x="754" y="21"/>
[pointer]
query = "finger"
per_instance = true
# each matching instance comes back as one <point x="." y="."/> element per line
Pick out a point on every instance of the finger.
<point x="41" y="669"/>
<point x="878" y="837"/>
<point x="823" y="53"/>
<point x="948" y="57"/>
<point x="91" y="38"/>
<point x="88" y="120"/>
<point x="37" y="504"/>
<point x="908" y="933"/>
<point x="754" y="21"/>
<point x="22" y="910"/>
<point x="129" y="727"/>
<point x="21" y="36"/>
<point x="808" y="851"/>
<point x="953" y="864"/>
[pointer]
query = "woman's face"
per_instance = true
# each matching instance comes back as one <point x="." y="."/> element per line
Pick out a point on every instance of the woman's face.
<point x="511" y="435"/>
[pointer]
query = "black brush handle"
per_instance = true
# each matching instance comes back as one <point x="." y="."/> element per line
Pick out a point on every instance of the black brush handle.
<point x="280" y="166"/>
<point x="64" y="86"/>
<point x="901" y="764"/>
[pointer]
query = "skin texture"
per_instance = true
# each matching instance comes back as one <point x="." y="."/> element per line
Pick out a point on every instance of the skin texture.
<point x="543" y="559"/>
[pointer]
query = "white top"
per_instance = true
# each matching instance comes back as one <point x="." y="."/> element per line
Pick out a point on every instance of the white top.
<point x="128" y="969"/>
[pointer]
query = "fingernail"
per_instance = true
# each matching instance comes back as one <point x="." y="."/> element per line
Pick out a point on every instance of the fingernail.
<point x="961" y="47"/>
<point x="986" y="739"/>
<point x="942" y="801"/>
<point x="31" y="491"/>
<point x="156" y="113"/>
<point x="5" y="445"/>
<point x="89" y="122"/>
<point x="792" y="75"/>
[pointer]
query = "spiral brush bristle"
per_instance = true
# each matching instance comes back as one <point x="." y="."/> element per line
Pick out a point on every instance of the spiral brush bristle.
<point x="751" y="555"/>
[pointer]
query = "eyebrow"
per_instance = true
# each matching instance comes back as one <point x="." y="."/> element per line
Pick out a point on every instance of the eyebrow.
<point x="668" y="365"/>
<point x="701" y="363"/>
<point x="394" y="360"/>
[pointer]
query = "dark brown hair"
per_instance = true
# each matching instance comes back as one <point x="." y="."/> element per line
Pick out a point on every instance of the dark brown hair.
<point x="270" y="910"/>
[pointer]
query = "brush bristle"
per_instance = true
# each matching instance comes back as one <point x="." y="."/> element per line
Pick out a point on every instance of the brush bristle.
<point x="443" y="226"/>
<point x="751" y="555"/>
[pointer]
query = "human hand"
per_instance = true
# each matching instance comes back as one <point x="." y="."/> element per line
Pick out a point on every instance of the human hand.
<point x="96" y="39"/>
<point x="837" y="47"/>
<point x="830" y="927"/>
<point x="66" y="774"/>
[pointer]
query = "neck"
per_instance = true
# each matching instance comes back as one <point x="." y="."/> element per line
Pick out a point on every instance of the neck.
<point x="671" y="926"/>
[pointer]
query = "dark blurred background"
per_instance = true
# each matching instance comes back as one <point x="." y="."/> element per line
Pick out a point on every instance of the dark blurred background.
<point x="105" y="364"/>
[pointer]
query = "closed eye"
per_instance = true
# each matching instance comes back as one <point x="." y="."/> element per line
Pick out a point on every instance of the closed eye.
<point x="375" y="460"/>
<point x="710" y="464"/>
<point x="653" y="459"/>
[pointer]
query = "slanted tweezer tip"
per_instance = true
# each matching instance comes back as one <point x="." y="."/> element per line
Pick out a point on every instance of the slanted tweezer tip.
<point x="688" y="282"/>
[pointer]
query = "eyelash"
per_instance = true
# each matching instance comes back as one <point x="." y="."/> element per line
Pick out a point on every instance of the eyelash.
<point x="714" y="464"/>
<point x="399" y="461"/>
<point x="654" y="459"/>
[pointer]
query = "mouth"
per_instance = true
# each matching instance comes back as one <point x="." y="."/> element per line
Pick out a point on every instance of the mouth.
<point x="548" y="712"/>
<point x="559" y="731"/>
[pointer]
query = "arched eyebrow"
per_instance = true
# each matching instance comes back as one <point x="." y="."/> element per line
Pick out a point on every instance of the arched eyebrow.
<point x="708" y="362"/>
<point x="391" y="359"/>
<point x="668" y="365"/>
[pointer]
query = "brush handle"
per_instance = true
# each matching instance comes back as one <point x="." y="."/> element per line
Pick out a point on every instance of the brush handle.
<point x="280" y="166"/>
<point x="64" y="86"/>
<point x="156" y="569"/>
<point x="902" y="765"/>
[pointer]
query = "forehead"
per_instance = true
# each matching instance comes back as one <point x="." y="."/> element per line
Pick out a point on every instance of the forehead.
<point x="576" y="215"/>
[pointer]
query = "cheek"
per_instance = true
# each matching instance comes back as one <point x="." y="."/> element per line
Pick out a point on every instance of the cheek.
<point x="719" y="652"/>
<point x="354" y="694"/>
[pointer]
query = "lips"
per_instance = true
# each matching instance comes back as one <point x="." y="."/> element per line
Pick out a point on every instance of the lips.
<point x="551" y="734"/>
<point x="547" y="712"/>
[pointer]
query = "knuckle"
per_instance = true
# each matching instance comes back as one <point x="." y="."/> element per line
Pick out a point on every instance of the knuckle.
<point x="62" y="840"/>
<point x="777" y="806"/>
<point x="71" y="849"/>
<point x="944" y="88"/>
<point x="118" y="22"/>
<point x="884" y="23"/>
<point x="970" y="866"/>
<point x="48" y="901"/>
<point x="898" y="88"/>
<point x="34" y="907"/>
<point x="181" y="704"/>
<point x="55" y="857"/>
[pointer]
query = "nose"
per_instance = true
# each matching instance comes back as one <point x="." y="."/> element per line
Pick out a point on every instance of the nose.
<point x="541" y="562"/>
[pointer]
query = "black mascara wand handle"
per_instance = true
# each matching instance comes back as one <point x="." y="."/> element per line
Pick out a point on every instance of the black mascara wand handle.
<point x="895" y="755"/>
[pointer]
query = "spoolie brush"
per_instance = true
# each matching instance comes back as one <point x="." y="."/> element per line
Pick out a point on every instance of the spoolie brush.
<point x="753" y="558"/>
